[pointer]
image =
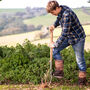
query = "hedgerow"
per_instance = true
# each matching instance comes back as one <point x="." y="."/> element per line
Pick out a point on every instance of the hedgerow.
<point x="28" y="63"/>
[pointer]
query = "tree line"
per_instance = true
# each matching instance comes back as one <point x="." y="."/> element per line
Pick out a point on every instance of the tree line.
<point x="12" y="23"/>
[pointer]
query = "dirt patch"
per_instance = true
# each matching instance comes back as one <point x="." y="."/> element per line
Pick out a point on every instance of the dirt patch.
<point x="55" y="86"/>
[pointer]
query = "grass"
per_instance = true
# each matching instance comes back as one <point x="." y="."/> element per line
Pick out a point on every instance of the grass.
<point x="49" y="19"/>
<point x="87" y="29"/>
<point x="11" y="10"/>
<point x="83" y="17"/>
<point x="12" y="40"/>
<point x="88" y="39"/>
<point x="37" y="87"/>
<point x="68" y="88"/>
<point x="16" y="87"/>
<point x="45" y="20"/>
<point x="57" y="33"/>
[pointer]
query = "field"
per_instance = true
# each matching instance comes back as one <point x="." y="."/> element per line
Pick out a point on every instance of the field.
<point x="12" y="40"/>
<point x="48" y="19"/>
<point x="45" y="20"/>
<point x="11" y="10"/>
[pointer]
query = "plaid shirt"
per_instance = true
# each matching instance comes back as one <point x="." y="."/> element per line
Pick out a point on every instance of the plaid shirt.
<point x="71" y="27"/>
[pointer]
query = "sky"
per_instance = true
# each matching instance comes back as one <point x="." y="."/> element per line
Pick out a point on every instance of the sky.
<point x="41" y="3"/>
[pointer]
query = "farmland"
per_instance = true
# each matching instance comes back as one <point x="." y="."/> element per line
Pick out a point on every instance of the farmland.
<point x="45" y="20"/>
<point x="11" y="10"/>
<point x="49" y="19"/>
<point x="19" y="55"/>
<point x="12" y="40"/>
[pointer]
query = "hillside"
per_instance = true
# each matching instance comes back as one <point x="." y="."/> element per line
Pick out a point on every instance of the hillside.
<point x="42" y="20"/>
<point x="11" y="20"/>
<point x="15" y="21"/>
<point x="12" y="40"/>
<point x="49" y="19"/>
<point x="11" y="10"/>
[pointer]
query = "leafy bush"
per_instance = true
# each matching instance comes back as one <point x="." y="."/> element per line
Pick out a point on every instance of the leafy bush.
<point x="29" y="63"/>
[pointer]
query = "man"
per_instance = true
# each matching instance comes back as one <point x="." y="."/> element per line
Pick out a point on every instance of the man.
<point x="72" y="34"/>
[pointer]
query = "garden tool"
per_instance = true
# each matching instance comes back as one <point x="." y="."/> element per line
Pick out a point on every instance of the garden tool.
<point x="51" y="55"/>
<point x="43" y="85"/>
<point x="49" y="72"/>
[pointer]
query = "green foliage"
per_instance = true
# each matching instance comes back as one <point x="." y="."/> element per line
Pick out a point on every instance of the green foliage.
<point x="29" y="63"/>
<point x="6" y="51"/>
<point x="70" y="66"/>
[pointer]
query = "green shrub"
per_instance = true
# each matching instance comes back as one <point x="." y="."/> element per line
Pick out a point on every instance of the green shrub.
<point x="29" y="63"/>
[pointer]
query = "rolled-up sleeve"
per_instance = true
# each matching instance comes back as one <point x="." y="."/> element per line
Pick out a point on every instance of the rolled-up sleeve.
<point x="66" y="23"/>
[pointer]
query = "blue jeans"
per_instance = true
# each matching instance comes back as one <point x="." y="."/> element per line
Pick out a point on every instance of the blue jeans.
<point x="79" y="52"/>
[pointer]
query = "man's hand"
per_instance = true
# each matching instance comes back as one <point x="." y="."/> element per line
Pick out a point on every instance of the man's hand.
<point x="51" y="28"/>
<point x="51" y="45"/>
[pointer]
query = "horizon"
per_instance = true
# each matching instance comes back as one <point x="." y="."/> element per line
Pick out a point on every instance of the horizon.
<point x="40" y="3"/>
<point x="44" y="7"/>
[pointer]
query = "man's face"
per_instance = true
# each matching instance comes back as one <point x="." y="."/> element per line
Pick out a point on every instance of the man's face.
<point x="56" y="12"/>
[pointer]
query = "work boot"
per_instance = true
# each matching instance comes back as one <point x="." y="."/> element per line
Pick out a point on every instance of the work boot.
<point x="58" y="69"/>
<point x="82" y="78"/>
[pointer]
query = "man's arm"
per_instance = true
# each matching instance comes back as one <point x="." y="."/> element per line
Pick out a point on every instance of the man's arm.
<point x="52" y="27"/>
<point x="57" y="22"/>
<point x="65" y="29"/>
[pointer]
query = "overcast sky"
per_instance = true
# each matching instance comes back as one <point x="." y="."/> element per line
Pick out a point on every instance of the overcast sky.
<point x="41" y="3"/>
